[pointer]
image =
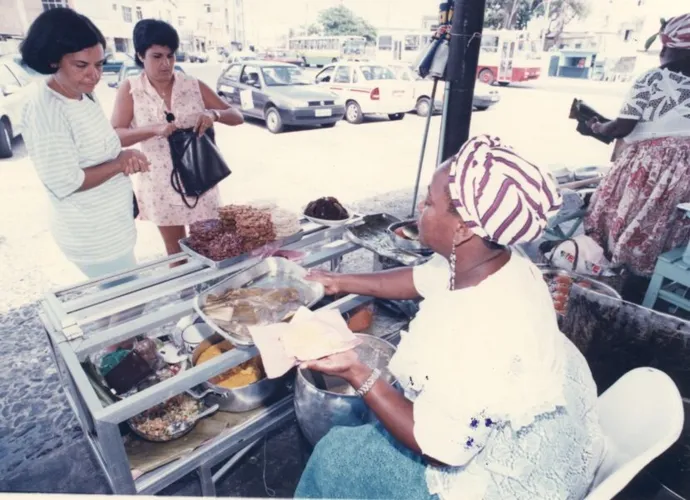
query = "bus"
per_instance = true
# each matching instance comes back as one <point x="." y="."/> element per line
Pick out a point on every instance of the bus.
<point x="321" y="50"/>
<point x="506" y="56"/>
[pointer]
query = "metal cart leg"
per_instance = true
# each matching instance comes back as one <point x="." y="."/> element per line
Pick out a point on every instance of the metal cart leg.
<point x="115" y="458"/>
<point x="208" y="488"/>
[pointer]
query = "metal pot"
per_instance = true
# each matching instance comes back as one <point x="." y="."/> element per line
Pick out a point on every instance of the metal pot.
<point x="193" y="334"/>
<point x="240" y="399"/>
<point x="323" y="401"/>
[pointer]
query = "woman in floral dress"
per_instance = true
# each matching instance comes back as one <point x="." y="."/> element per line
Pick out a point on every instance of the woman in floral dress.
<point x="634" y="216"/>
<point x="143" y="106"/>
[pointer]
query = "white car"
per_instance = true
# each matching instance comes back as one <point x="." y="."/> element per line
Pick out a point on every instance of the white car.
<point x="14" y="92"/>
<point x="368" y="89"/>
<point x="485" y="96"/>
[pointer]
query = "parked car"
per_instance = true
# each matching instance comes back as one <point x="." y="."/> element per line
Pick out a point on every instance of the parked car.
<point x="15" y="85"/>
<point x="367" y="89"/>
<point x="115" y="61"/>
<point x="286" y="56"/>
<point x="485" y="96"/>
<point x="200" y="57"/>
<point x="130" y="70"/>
<point x="240" y="56"/>
<point x="280" y="94"/>
<point x="180" y="56"/>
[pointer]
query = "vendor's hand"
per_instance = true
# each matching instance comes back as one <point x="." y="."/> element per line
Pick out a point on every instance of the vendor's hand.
<point x="345" y="365"/>
<point x="204" y="121"/>
<point x="594" y="125"/>
<point x="330" y="281"/>
<point x="164" y="130"/>
<point x="133" y="161"/>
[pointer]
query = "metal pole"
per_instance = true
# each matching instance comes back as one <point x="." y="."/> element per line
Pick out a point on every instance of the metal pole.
<point x="421" y="155"/>
<point x="465" y="41"/>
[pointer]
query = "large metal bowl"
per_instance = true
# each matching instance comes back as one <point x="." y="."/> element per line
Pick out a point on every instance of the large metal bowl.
<point x="405" y="243"/>
<point x="240" y="399"/>
<point x="323" y="401"/>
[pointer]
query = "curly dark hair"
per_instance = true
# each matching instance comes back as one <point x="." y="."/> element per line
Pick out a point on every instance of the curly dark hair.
<point x="149" y="32"/>
<point x="55" y="33"/>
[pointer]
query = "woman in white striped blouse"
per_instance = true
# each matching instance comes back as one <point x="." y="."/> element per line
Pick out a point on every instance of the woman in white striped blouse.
<point x="75" y="151"/>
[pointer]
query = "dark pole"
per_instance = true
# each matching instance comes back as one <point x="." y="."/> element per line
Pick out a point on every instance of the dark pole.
<point x="463" y="58"/>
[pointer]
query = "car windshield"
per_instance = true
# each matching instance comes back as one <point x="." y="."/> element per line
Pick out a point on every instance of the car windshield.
<point x="280" y="76"/>
<point x="377" y="73"/>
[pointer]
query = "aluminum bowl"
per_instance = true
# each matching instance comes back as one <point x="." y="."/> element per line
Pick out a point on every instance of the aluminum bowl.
<point x="334" y="402"/>
<point x="240" y="399"/>
<point x="404" y="243"/>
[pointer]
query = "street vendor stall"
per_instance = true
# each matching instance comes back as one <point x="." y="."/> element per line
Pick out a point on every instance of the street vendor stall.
<point x="147" y="302"/>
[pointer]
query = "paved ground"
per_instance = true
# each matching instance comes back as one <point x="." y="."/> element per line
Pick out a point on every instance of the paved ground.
<point x="41" y="448"/>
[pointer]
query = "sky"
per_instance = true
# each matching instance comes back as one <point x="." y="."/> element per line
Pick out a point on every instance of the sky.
<point x="266" y="20"/>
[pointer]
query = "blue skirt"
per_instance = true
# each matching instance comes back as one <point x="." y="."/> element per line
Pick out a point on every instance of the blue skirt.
<point x="363" y="462"/>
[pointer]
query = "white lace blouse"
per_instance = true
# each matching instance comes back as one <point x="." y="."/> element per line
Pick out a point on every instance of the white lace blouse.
<point x="478" y="361"/>
<point x="660" y="101"/>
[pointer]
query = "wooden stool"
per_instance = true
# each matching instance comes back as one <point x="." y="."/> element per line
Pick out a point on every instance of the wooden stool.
<point x="669" y="266"/>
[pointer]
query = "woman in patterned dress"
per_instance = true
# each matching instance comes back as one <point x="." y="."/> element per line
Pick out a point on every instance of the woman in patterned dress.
<point x="498" y="403"/>
<point x="634" y="215"/>
<point x="142" y="106"/>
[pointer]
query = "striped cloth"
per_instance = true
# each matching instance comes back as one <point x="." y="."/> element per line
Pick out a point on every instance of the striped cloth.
<point x="675" y="34"/>
<point x="64" y="137"/>
<point x="500" y="196"/>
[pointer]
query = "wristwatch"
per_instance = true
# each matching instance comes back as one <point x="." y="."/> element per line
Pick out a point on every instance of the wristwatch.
<point x="216" y="114"/>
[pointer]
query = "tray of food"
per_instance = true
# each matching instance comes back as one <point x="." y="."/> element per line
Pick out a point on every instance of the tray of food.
<point x="170" y="419"/>
<point x="561" y="281"/>
<point x="267" y="293"/>
<point x="327" y="211"/>
<point x="242" y="233"/>
<point x="371" y="232"/>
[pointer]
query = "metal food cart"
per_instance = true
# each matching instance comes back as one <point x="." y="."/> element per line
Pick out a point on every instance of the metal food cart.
<point x="82" y="320"/>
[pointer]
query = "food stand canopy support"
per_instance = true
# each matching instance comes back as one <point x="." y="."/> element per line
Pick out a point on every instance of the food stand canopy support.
<point x="461" y="74"/>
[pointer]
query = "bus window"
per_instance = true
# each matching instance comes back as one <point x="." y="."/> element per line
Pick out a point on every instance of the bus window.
<point x="411" y="42"/>
<point x="385" y="42"/>
<point x="489" y="43"/>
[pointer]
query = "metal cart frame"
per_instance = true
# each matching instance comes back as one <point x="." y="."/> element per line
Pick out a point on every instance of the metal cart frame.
<point x="105" y="301"/>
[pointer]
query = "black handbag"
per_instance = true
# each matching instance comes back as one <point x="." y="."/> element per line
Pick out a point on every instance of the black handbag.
<point x="198" y="165"/>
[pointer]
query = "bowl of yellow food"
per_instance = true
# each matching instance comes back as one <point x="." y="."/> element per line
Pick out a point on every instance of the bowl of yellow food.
<point x="242" y="388"/>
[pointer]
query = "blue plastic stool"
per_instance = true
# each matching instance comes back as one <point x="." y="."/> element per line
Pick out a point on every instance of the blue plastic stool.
<point x="669" y="267"/>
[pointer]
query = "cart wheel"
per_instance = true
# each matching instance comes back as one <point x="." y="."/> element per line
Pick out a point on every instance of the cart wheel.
<point x="273" y="121"/>
<point x="353" y="113"/>
<point x="423" y="106"/>
<point x="487" y="76"/>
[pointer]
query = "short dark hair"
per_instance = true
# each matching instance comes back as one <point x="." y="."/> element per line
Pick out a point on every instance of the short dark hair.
<point x="56" y="33"/>
<point x="149" y="32"/>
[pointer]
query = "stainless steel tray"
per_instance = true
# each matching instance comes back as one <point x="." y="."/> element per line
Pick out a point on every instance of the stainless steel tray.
<point x="272" y="272"/>
<point x="249" y="259"/>
<point x="594" y="285"/>
<point x="371" y="232"/>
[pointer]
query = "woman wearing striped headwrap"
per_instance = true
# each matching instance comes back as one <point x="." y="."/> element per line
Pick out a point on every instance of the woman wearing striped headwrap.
<point x="634" y="216"/>
<point x="497" y="402"/>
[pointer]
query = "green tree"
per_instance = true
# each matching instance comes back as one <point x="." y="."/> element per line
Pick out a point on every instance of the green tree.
<point x="340" y="20"/>
<point x="516" y="14"/>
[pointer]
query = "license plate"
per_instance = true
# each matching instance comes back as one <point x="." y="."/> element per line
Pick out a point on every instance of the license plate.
<point x="323" y="112"/>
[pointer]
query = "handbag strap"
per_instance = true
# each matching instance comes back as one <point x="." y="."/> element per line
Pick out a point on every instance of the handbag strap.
<point x="577" y="252"/>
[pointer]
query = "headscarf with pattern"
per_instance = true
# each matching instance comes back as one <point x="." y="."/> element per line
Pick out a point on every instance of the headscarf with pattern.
<point x="500" y="196"/>
<point x="675" y="33"/>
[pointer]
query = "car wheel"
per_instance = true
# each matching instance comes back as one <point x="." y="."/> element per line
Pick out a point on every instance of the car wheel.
<point x="423" y="106"/>
<point x="487" y="76"/>
<point x="353" y="113"/>
<point x="274" y="123"/>
<point x="396" y="117"/>
<point x="5" y="140"/>
<point x="328" y="125"/>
